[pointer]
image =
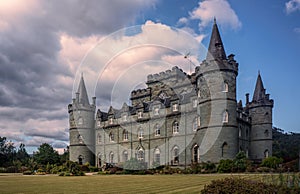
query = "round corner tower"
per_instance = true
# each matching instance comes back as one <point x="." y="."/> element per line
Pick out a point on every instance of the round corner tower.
<point x="260" y="111"/>
<point x="82" y="124"/>
<point x="216" y="83"/>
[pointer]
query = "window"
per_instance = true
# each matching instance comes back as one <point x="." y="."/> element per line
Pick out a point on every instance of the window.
<point x="224" y="148"/>
<point x="140" y="133"/>
<point x="157" y="156"/>
<point x="225" y="87"/>
<point x="247" y="133"/>
<point x="80" y="160"/>
<point x="111" y="121"/>
<point x="175" y="155"/>
<point x="241" y="115"/>
<point x="140" y="154"/>
<point x="240" y="132"/>
<point x="99" y="160"/>
<point x="125" y="135"/>
<point x="99" y="139"/>
<point x="175" y="127"/>
<point x="80" y="139"/>
<point x="140" y="115"/>
<point x="98" y="123"/>
<point x="199" y="94"/>
<point x="195" y="124"/>
<point x="195" y="153"/>
<point x="225" y="116"/>
<point x="124" y="118"/>
<point x="266" y="153"/>
<point x="111" y="157"/>
<point x="195" y="103"/>
<point x="125" y="156"/>
<point x="156" y="111"/>
<point x="267" y="133"/>
<point x="175" y="107"/>
<point x="80" y="121"/>
<point x="157" y="130"/>
<point x="111" y="137"/>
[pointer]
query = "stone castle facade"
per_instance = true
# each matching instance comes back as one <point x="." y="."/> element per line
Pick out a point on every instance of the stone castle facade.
<point x="178" y="119"/>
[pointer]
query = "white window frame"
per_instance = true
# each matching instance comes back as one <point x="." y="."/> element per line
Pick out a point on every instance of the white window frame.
<point x="124" y="118"/>
<point x="141" y="154"/>
<point x="98" y="123"/>
<point x="140" y="114"/>
<point x="157" y="155"/>
<point x="157" y="130"/>
<point x="195" y="103"/>
<point x="80" y="139"/>
<point x="111" y="121"/>
<point x="140" y="133"/>
<point x="175" y="107"/>
<point x="225" y="87"/>
<point x="156" y="111"/>
<point x="175" y="127"/>
<point x="125" y="135"/>
<point x="225" y="116"/>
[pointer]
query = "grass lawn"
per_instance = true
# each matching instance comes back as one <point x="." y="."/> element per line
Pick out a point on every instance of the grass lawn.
<point x="106" y="183"/>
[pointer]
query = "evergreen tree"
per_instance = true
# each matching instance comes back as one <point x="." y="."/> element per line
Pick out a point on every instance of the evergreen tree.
<point x="46" y="154"/>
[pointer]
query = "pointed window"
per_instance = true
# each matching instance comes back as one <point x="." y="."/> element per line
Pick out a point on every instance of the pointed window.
<point x="125" y="156"/>
<point x="111" y="121"/>
<point x="125" y="135"/>
<point x="195" y="152"/>
<point x="80" y="121"/>
<point x="157" y="130"/>
<point x="141" y="155"/>
<point x="124" y="118"/>
<point x="225" y="116"/>
<point x="224" y="149"/>
<point x="140" y="133"/>
<point x="175" y="127"/>
<point x="225" y="87"/>
<point x="195" y="103"/>
<point x="111" y="157"/>
<point x="267" y="133"/>
<point x="99" y="139"/>
<point x="157" y="156"/>
<point x="140" y="115"/>
<point x="111" y="137"/>
<point x="80" y="160"/>
<point x="266" y="153"/>
<point x="175" y="155"/>
<point x="80" y="139"/>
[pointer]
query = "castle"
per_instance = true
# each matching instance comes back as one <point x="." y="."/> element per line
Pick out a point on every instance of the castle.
<point x="178" y="119"/>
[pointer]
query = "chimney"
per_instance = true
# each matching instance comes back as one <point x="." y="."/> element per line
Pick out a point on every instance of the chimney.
<point x="247" y="98"/>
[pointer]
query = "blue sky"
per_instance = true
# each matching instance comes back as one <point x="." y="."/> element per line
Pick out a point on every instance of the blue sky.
<point x="44" y="46"/>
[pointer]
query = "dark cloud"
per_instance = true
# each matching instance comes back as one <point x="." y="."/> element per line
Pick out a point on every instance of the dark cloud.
<point x="57" y="135"/>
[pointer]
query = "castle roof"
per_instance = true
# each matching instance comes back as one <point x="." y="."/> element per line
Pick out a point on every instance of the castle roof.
<point x="83" y="97"/>
<point x="216" y="48"/>
<point x="259" y="92"/>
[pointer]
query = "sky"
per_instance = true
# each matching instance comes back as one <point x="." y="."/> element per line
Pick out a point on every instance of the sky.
<point x="46" y="45"/>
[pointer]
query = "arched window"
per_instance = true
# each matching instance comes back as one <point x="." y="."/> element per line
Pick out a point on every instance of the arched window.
<point x="175" y="127"/>
<point x="157" y="130"/>
<point x="225" y="87"/>
<point x="80" y="139"/>
<point x="140" y="133"/>
<point x="266" y="153"/>
<point x="99" y="139"/>
<point x="111" y="121"/>
<point x="80" y="121"/>
<point x="240" y="132"/>
<point x="224" y="149"/>
<point x="80" y="159"/>
<point x="125" y="155"/>
<point x="175" y="155"/>
<point x="195" y="153"/>
<point x="225" y="116"/>
<point x="125" y="135"/>
<point x="157" y="156"/>
<point x="111" y="157"/>
<point x="140" y="155"/>
<point x="111" y="137"/>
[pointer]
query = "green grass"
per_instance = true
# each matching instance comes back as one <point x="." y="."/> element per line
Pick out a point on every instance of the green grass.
<point x="107" y="183"/>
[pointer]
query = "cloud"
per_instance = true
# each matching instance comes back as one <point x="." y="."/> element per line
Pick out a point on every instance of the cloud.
<point x="292" y="6"/>
<point x="221" y="9"/>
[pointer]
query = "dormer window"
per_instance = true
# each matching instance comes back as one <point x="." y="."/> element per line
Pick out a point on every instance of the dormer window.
<point x="98" y="123"/>
<point x="124" y="118"/>
<point x="111" y="121"/>
<point x="140" y="115"/>
<point x="175" y="107"/>
<point x="156" y="111"/>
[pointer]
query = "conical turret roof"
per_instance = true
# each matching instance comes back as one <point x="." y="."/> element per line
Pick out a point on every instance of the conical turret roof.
<point x="83" y="97"/>
<point x="259" y="92"/>
<point x="216" y="48"/>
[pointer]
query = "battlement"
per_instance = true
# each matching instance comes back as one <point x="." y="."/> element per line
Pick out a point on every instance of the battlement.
<point x="175" y="72"/>
<point x="140" y="93"/>
<point x="228" y="64"/>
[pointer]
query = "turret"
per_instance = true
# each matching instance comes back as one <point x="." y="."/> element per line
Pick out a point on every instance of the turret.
<point x="82" y="124"/>
<point x="216" y="83"/>
<point x="260" y="111"/>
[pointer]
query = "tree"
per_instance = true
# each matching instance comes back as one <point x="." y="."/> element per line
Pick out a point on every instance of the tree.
<point x="7" y="152"/>
<point x="240" y="162"/>
<point x="46" y="154"/>
<point x="22" y="155"/>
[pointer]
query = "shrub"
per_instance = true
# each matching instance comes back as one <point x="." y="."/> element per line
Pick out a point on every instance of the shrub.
<point x="27" y="172"/>
<point x="225" y="166"/>
<point x="271" y="162"/>
<point x="61" y="174"/>
<point x="3" y="170"/>
<point x="241" y="186"/>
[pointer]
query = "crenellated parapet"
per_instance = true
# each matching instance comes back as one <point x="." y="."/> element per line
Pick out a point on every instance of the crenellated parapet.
<point x="176" y="72"/>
